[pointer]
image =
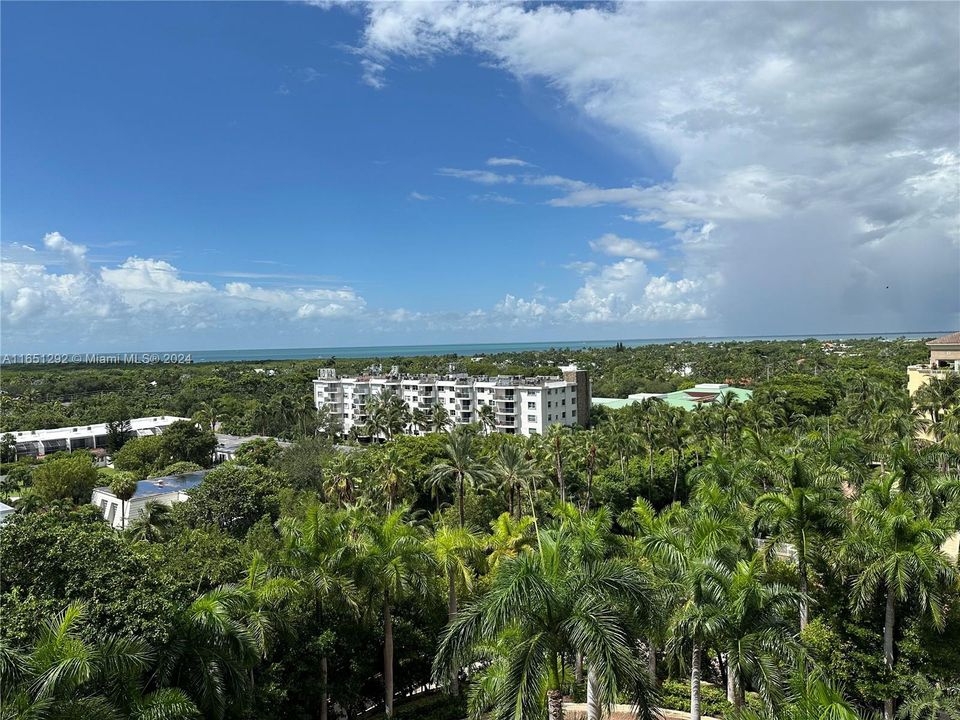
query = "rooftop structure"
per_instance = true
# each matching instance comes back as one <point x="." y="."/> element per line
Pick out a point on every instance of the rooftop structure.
<point x="519" y="405"/>
<point x="167" y="490"/>
<point x="698" y="395"/>
<point x="227" y="445"/>
<point x="37" y="443"/>
<point x="944" y="359"/>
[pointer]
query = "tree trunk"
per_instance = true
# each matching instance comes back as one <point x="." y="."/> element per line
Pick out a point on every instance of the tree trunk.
<point x="650" y="463"/>
<point x="460" y="495"/>
<point x="324" y="695"/>
<point x="593" y="702"/>
<point x="888" y="628"/>
<point x="695" y="682"/>
<point x="734" y="690"/>
<point x="804" y="588"/>
<point x="560" y="484"/>
<point x="676" y="476"/>
<point x="578" y="668"/>
<point x="652" y="662"/>
<point x="554" y="705"/>
<point x="451" y="616"/>
<point x="387" y="658"/>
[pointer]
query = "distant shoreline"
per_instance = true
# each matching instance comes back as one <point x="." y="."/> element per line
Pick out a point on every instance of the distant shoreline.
<point x="471" y="349"/>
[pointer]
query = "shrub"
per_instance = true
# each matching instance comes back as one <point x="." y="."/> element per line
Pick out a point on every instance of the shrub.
<point x="676" y="696"/>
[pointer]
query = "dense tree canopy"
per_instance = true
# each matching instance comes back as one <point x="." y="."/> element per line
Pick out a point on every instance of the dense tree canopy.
<point x="779" y="558"/>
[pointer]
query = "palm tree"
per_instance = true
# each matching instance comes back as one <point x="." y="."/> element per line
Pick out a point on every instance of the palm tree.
<point x="649" y="430"/>
<point x="757" y="637"/>
<point x="460" y="467"/>
<point x="513" y="470"/>
<point x="697" y="547"/>
<point x="487" y="418"/>
<point x="546" y="605"/>
<point x="420" y="420"/>
<point x="508" y="538"/>
<point x="811" y="697"/>
<point x="457" y="551"/>
<point x="557" y="440"/>
<point x="895" y="549"/>
<point x="673" y="432"/>
<point x="617" y="436"/>
<point x="153" y="524"/>
<point x="392" y="562"/>
<point x="210" y="653"/>
<point x="124" y="486"/>
<point x="64" y="676"/>
<point x="394" y="473"/>
<point x="439" y="418"/>
<point x="803" y="513"/>
<point x="317" y="554"/>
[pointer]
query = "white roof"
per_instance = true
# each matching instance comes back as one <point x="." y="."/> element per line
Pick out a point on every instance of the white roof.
<point x="5" y="509"/>
<point x="144" y="426"/>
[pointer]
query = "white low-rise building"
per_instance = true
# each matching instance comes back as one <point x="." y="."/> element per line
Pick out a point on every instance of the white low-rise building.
<point x="520" y="405"/>
<point x="37" y="443"/>
<point x="167" y="490"/>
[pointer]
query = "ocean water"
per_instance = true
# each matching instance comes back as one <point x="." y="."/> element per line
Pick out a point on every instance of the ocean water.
<point x="472" y="349"/>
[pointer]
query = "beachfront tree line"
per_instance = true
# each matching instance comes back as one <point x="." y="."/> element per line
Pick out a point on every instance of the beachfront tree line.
<point x="777" y="558"/>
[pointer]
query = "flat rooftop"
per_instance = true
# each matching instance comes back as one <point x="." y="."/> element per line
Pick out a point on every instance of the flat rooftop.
<point x="140" y="426"/>
<point x="163" y="485"/>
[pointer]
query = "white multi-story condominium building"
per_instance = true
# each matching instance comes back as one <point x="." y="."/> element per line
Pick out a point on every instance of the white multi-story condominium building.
<point x="521" y="405"/>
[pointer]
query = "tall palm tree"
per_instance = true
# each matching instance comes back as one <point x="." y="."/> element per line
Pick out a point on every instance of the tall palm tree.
<point x="673" y="433"/>
<point x="317" y="554"/>
<point x="547" y="605"/>
<point x="697" y="547"/>
<point x="557" y="440"/>
<point x="459" y="467"/>
<point x="804" y="512"/>
<point x="420" y="420"/>
<point x="439" y="418"/>
<point x="513" y="471"/>
<point x="64" y="676"/>
<point x="393" y="473"/>
<point x="457" y="551"/>
<point x="895" y="550"/>
<point x="487" y="418"/>
<point x="392" y="561"/>
<point x="757" y="634"/>
<point x="616" y="435"/>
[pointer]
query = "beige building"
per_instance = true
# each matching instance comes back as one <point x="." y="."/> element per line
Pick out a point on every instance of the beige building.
<point x="944" y="358"/>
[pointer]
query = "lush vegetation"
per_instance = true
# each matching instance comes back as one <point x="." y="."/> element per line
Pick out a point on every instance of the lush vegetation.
<point x="780" y="558"/>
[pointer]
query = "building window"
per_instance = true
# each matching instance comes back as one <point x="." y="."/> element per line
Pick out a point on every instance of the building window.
<point x="531" y="418"/>
<point x="573" y="413"/>
<point x="564" y="415"/>
<point x="531" y="406"/>
<point x="549" y="403"/>
<point x="564" y="401"/>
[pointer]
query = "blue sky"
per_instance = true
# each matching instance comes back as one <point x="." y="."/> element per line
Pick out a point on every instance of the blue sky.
<point x="216" y="175"/>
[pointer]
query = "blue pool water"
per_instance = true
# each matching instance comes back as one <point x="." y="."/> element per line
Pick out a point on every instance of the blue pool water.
<point x="169" y="483"/>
